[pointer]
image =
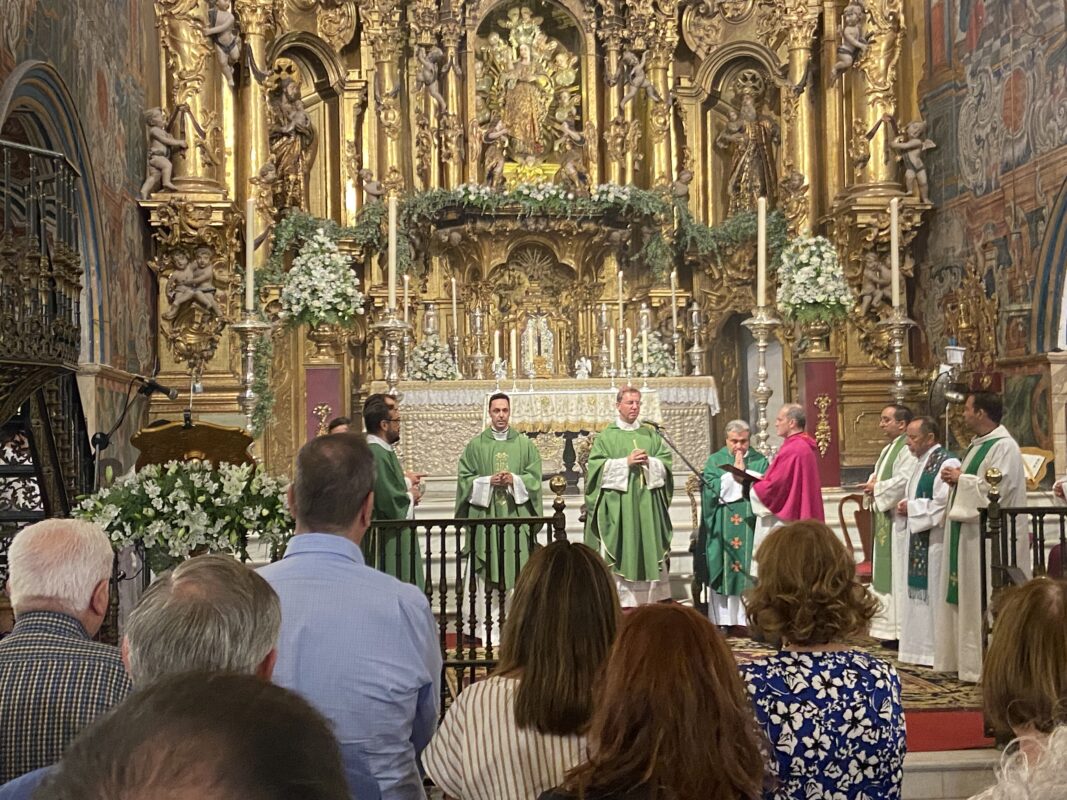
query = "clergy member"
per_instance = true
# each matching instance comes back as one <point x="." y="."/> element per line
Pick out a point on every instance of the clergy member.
<point x="395" y="552"/>
<point x="959" y="616"/>
<point x="411" y="478"/>
<point x="499" y="476"/>
<point x="790" y="490"/>
<point x="727" y="526"/>
<point x="921" y="513"/>
<point x="628" y="488"/>
<point x="886" y="487"/>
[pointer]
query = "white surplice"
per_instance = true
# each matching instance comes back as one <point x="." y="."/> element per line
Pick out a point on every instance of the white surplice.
<point x="887" y="494"/>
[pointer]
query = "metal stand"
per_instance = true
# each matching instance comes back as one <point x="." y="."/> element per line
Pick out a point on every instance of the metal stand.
<point x="897" y="325"/>
<point x="453" y="340"/>
<point x="391" y="329"/>
<point x="604" y="354"/>
<point x="762" y="324"/>
<point x="696" y="352"/>
<point x="248" y="329"/>
<point x="407" y="344"/>
<point x="479" y="357"/>
<point x="623" y="368"/>
<point x="678" y="351"/>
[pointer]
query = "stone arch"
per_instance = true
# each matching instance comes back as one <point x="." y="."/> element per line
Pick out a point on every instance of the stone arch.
<point x="1048" y="315"/>
<point x="36" y="95"/>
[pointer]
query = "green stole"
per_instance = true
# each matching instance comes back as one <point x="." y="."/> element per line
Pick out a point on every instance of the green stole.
<point x="953" y="597"/>
<point x="882" y="579"/>
<point x="919" y="543"/>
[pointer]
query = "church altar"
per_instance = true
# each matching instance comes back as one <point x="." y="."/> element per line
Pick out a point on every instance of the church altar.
<point x="438" y="419"/>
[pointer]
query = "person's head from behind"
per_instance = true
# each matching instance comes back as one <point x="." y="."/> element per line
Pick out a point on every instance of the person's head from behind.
<point x="560" y="625"/>
<point x="197" y="736"/>
<point x="672" y="713"/>
<point x="1024" y="679"/>
<point x="210" y="614"/>
<point x="339" y="425"/>
<point x="807" y="593"/>
<point x="64" y="566"/>
<point x="332" y="491"/>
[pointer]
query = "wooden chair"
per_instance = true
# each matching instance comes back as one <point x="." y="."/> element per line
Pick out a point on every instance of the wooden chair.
<point x="861" y="517"/>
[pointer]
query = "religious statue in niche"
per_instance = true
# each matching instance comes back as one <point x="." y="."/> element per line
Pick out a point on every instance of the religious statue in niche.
<point x="191" y="284"/>
<point x="853" y="40"/>
<point x="293" y="141"/>
<point x="222" y="31"/>
<point x="526" y="88"/>
<point x="751" y="137"/>
<point x="159" y="167"/>
<point x="910" y="146"/>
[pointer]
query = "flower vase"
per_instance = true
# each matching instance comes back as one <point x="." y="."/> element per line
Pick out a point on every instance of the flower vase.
<point x="817" y="332"/>
<point x="326" y="338"/>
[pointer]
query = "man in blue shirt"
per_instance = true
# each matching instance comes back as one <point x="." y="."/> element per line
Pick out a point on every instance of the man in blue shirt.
<point x="360" y="645"/>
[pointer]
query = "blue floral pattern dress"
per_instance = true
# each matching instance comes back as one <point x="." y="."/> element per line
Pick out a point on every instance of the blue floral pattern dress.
<point x="835" y="724"/>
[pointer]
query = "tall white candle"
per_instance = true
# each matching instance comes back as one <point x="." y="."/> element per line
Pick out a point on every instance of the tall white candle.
<point x="611" y="347"/>
<point x="514" y="353"/>
<point x="629" y="349"/>
<point x="496" y="345"/>
<point x="407" y="280"/>
<point x="894" y="248"/>
<point x="392" y="252"/>
<point x="674" y="300"/>
<point x="761" y="252"/>
<point x="250" y="250"/>
<point x="455" y="309"/>
<point x="620" y="300"/>
<point x="644" y="348"/>
<point x="531" y="343"/>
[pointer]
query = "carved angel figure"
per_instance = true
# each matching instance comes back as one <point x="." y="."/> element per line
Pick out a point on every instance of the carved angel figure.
<point x="293" y="142"/>
<point x="431" y="64"/>
<point x="634" y="78"/>
<point x="191" y="282"/>
<point x="853" y="41"/>
<point x="910" y="146"/>
<point x="222" y="31"/>
<point x="371" y="188"/>
<point x="159" y="167"/>
<point x="875" y="289"/>
<point x="583" y="368"/>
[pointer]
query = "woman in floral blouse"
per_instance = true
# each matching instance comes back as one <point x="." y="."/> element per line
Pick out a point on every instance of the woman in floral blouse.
<point x="832" y="713"/>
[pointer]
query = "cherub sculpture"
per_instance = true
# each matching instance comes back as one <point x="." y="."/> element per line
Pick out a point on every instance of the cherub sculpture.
<point x="853" y="41"/>
<point x="371" y="188"/>
<point x="635" y="79"/>
<point x="431" y="63"/>
<point x="191" y="282"/>
<point x="222" y="31"/>
<point x="680" y="186"/>
<point x="910" y="146"/>
<point x="875" y="288"/>
<point x="159" y="168"/>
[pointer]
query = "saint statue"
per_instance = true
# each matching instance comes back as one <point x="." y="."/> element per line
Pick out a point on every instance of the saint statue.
<point x="293" y="142"/>
<point x="751" y="137"/>
<point x="527" y="96"/>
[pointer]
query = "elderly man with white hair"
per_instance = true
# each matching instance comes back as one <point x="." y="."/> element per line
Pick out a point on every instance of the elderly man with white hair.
<point x="54" y="680"/>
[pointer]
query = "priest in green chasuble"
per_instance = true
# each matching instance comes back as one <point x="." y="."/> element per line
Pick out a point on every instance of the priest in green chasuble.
<point x="727" y="527"/>
<point x="628" y="487"/>
<point x="395" y="552"/>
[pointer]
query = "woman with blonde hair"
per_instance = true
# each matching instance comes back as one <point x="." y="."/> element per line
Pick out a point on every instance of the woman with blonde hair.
<point x="515" y="734"/>
<point x="672" y="721"/>
<point x="1024" y="690"/>
<point x="832" y="712"/>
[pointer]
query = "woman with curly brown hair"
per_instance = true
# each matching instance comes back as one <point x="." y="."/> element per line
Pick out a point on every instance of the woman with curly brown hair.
<point x="832" y="712"/>
<point x="672" y="721"/>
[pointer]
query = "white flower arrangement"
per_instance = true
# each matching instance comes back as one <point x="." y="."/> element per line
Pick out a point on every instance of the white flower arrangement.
<point x="612" y="193"/>
<point x="811" y="282"/>
<point x="660" y="357"/>
<point x="184" y="507"/>
<point x="320" y="287"/>
<point x="431" y="360"/>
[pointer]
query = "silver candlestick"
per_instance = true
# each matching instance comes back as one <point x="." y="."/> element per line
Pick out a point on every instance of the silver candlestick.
<point x="696" y="352"/>
<point x="623" y="368"/>
<point x="479" y="356"/>
<point x="897" y="325"/>
<point x="762" y="324"/>
<point x="391" y="328"/>
<point x="454" y="342"/>
<point x="407" y="344"/>
<point x="604" y="332"/>
<point x="249" y="329"/>
<point x="678" y="351"/>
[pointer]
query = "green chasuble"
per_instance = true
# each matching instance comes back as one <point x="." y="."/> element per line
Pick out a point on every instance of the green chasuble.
<point x="391" y="551"/>
<point x="485" y="456"/>
<point x="727" y="530"/>
<point x="631" y="529"/>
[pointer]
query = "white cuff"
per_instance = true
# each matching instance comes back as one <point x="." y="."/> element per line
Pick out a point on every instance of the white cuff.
<point x="925" y="513"/>
<point x="655" y="473"/>
<point x="616" y="475"/>
<point x="481" y="492"/>
<point x="411" y="506"/>
<point x="970" y="499"/>
<point x="518" y="490"/>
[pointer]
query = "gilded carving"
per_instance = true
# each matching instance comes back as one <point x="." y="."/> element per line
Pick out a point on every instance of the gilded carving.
<point x="793" y="200"/>
<point x="702" y="27"/>
<point x="450" y="133"/>
<point x="423" y="145"/>
<point x="322" y="413"/>
<point x="823" y="431"/>
<point x="859" y="146"/>
<point x="185" y="48"/>
<point x="293" y="140"/>
<point x="623" y="138"/>
<point x="879" y="65"/>
<point x="751" y="137"/>
<point x="337" y="22"/>
<point x="387" y="104"/>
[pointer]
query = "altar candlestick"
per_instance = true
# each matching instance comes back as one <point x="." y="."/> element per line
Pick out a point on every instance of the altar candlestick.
<point x="674" y="300"/>
<point x="392" y="252"/>
<point x="496" y="345"/>
<point x="620" y="300"/>
<point x="530" y="337"/>
<point x="644" y="348"/>
<point x="611" y="347"/>
<point x="629" y="349"/>
<point x="407" y="280"/>
<point x="250" y="249"/>
<point x="894" y="248"/>
<point x="761" y="252"/>
<point x="455" y="307"/>
<point x="514" y="352"/>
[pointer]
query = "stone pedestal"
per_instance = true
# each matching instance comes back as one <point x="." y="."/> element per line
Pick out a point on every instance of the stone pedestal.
<point x="817" y="381"/>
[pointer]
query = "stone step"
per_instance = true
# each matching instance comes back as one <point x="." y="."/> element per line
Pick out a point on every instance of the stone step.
<point x="948" y="775"/>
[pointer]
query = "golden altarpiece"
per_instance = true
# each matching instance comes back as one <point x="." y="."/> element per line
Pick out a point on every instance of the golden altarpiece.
<point x="328" y="105"/>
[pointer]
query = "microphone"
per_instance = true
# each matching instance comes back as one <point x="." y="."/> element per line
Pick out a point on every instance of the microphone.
<point x="151" y="385"/>
<point x="651" y="424"/>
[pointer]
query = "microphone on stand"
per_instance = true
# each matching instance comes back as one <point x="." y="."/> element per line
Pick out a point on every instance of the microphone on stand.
<point x="651" y="424"/>
<point x="151" y="385"/>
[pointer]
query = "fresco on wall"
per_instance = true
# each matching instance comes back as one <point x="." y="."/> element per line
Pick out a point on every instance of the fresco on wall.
<point x="106" y="72"/>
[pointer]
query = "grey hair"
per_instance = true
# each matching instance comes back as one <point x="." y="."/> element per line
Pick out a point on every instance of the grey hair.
<point x="211" y="613"/>
<point x="1020" y="778"/>
<point x="738" y="426"/>
<point x="58" y="561"/>
<point x="795" y="412"/>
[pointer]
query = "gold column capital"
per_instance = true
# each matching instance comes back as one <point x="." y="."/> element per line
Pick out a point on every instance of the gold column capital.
<point x="257" y="17"/>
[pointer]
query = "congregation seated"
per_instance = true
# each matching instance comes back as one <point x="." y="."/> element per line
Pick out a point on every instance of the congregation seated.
<point x="1024" y="690"/>
<point x="832" y="712"/>
<point x="210" y="614"/>
<point x="203" y="736"/>
<point x="54" y="680"/>
<point x="671" y="718"/>
<point x="517" y="733"/>
<point x="358" y="644"/>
